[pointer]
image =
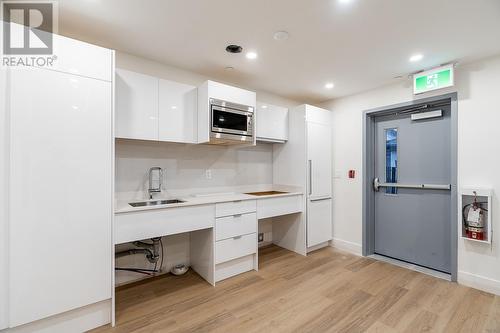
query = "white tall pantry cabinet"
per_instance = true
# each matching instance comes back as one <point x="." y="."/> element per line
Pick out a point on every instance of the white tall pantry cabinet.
<point x="306" y="161"/>
<point x="4" y="136"/>
<point x="58" y="152"/>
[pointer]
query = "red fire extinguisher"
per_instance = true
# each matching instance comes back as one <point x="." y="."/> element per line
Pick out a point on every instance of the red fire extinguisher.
<point x="473" y="217"/>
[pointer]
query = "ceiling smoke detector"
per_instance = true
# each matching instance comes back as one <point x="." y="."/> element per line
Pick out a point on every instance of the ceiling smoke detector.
<point x="234" y="48"/>
<point x="281" y="35"/>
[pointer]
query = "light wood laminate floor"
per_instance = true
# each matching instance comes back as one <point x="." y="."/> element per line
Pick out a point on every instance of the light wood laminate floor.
<point x="327" y="291"/>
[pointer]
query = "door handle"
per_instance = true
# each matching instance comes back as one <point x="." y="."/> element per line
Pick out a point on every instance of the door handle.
<point x="310" y="177"/>
<point x="320" y="199"/>
<point x="377" y="185"/>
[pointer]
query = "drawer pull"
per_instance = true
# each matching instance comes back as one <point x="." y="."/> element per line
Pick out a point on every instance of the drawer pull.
<point x="237" y="215"/>
<point x="236" y="201"/>
<point x="236" y="237"/>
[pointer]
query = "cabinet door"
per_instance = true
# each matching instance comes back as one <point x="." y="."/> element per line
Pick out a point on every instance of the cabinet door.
<point x="178" y="117"/>
<point x="319" y="152"/>
<point x="319" y="221"/>
<point x="4" y="137"/>
<point x="272" y="122"/>
<point x="61" y="193"/>
<point x="136" y="106"/>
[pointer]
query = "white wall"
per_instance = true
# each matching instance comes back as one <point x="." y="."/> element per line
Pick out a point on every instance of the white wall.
<point x="185" y="165"/>
<point x="478" y="87"/>
<point x="141" y="65"/>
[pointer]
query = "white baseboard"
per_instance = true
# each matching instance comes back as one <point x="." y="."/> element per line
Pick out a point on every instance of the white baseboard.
<point x="479" y="282"/>
<point x="78" y="320"/>
<point x="317" y="247"/>
<point x="347" y="246"/>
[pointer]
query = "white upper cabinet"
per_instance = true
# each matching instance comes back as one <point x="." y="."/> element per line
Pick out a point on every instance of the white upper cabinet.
<point x="272" y="123"/>
<point x="136" y="106"/>
<point x="149" y="108"/>
<point x="177" y="112"/>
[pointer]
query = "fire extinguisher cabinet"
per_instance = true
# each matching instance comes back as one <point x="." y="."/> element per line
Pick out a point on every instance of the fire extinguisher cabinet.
<point x="482" y="198"/>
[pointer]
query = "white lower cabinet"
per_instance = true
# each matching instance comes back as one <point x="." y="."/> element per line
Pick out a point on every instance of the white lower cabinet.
<point x="235" y="207"/>
<point x="145" y="224"/>
<point x="269" y="207"/>
<point x="235" y="247"/>
<point x="235" y="238"/>
<point x="234" y="267"/>
<point x="235" y="225"/>
<point x="319" y="221"/>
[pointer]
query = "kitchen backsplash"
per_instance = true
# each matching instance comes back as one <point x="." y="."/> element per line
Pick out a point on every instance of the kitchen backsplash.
<point x="191" y="166"/>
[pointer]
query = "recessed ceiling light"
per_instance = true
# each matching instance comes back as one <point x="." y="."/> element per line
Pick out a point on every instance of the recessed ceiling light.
<point x="264" y="106"/>
<point x="281" y="35"/>
<point x="329" y="85"/>
<point x="416" y="57"/>
<point x="251" y="55"/>
<point x="344" y="1"/>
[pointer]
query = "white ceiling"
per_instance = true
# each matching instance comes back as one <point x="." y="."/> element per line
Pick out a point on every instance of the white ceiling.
<point x="357" y="44"/>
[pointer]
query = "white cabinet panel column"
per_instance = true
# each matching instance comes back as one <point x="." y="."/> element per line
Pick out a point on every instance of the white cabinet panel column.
<point x="60" y="193"/>
<point x="4" y="142"/>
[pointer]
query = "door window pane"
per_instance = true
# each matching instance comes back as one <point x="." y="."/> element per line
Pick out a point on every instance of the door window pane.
<point x="391" y="159"/>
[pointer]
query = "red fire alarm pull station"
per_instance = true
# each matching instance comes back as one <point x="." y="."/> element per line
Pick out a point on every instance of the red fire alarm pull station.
<point x="352" y="174"/>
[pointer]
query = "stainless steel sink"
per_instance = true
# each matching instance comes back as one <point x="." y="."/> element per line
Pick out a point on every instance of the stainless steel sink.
<point x="155" y="203"/>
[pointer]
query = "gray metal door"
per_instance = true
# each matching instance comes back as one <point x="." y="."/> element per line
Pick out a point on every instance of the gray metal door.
<point x="413" y="218"/>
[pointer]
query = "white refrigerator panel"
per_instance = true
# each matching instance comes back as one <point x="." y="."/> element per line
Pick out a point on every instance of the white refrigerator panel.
<point x="319" y="221"/>
<point x="319" y="155"/>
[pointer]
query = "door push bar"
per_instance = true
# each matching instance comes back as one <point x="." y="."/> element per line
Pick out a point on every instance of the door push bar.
<point x="377" y="185"/>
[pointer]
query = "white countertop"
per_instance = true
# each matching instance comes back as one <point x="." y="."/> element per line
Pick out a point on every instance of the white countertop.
<point x="122" y="206"/>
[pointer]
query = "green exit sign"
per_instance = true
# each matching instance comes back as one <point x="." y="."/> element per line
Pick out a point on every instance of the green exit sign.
<point x="433" y="79"/>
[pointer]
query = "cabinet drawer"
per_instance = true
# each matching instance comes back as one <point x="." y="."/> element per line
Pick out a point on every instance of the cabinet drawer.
<point x="234" y="267"/>
<point x="235" y="247"/>
<point x="146" y="224"/>
<point x="235" y="225"/>
<point x="235" y="207"/>
<point x="278" y="206"/>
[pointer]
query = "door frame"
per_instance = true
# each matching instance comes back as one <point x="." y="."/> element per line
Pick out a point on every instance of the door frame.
<point x="368" y="245"/>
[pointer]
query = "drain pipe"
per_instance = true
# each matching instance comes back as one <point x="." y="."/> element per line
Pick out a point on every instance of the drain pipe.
<point x="151" y="251"/>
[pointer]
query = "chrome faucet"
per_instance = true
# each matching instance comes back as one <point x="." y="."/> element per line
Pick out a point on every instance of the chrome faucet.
<point x="156" y="189"/>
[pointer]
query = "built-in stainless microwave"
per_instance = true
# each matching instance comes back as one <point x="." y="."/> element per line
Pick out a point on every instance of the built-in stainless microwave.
<point x="231" y="121"/>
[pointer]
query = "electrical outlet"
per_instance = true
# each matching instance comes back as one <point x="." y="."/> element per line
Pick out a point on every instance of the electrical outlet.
<point x="208" y="174"/>
<point x="261" y="237"/>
